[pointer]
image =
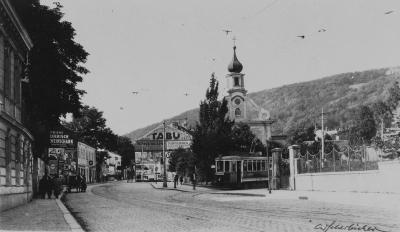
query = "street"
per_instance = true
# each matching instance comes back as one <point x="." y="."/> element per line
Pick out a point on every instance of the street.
<point x="122" y="206"/>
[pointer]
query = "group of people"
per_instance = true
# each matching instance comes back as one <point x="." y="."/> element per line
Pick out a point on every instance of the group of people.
<point x="48" y="186"/>
<point x="176" y="179"/>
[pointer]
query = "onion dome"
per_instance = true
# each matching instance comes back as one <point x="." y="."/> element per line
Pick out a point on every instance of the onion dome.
<point x="235" y="66"/>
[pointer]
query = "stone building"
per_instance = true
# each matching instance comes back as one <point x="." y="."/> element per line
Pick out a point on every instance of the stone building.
<point x="241" y="107"/>
<point x="16" y="161"/>
<point x="87" y="161"/>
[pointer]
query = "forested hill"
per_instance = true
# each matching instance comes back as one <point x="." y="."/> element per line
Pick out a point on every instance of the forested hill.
<point x="300" y="104"/>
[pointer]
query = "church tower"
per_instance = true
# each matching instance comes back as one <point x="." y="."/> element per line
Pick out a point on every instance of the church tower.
<point x="236" y="90"/>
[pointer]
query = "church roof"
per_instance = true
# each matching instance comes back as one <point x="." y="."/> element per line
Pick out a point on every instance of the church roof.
<point x="235" y="66"/>
<point x="255" y="112"/>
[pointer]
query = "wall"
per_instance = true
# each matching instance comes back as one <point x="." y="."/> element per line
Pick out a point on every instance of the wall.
<point x="384" y="180"/>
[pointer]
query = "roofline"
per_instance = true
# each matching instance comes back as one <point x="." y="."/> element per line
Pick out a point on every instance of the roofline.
<point x="18" y="24"/>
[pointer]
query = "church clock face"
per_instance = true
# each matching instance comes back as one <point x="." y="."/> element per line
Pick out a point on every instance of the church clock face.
<point x="237" y="101"/>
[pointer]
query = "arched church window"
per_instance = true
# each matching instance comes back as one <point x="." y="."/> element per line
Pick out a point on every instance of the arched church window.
<point x="236" y="80"/>
<point x="237" y="112"/>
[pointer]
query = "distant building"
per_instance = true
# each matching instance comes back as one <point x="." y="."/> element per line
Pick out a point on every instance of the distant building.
<point x="87" y="161"/>
<point x="18" y="169"/>
<point x="113" y="164"/>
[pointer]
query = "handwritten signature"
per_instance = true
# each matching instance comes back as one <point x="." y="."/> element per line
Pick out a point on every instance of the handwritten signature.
<point x="355" y="226"/>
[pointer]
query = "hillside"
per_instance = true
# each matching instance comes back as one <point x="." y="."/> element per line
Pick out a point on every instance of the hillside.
<point x="300" y="104"/>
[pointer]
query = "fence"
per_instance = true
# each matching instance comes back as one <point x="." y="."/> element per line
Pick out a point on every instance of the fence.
<point x="345" y="158"/>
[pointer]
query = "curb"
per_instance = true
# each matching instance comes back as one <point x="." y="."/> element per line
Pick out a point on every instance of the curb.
<point x="173" y="189"/>
<point x="73" y="224"/>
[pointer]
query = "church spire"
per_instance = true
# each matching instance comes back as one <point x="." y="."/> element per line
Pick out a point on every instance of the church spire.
<point x="235" y="66"/>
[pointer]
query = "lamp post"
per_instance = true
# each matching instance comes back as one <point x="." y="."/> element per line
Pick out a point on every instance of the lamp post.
<point x="165" y="162"/>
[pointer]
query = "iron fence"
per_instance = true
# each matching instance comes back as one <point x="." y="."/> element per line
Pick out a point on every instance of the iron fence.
<point x="342" y="159"/>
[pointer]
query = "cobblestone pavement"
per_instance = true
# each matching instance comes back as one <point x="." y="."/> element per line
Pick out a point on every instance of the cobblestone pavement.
<point x="38" y="215"/>
<point x="140" y="207"/>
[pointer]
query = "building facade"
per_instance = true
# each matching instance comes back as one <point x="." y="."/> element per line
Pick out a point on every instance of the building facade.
<point x="16" y="161"/>
<point x="113" y="164"/>
<point x="87" y="162"/>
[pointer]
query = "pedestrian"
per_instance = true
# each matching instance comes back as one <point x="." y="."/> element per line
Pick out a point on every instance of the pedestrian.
<point x="49" y="186"/>
<point x="42" y="187"/>
<point x="83" y="183"/>
<point x="176" y="180"/>
<point x="56" y="187"/>
<point x="181" y="180"/>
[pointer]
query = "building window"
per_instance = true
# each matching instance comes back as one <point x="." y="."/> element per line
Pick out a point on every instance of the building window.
<point x="238" y="113"/>
<point x="236" y="80"/>
<point x="220" y="167"/>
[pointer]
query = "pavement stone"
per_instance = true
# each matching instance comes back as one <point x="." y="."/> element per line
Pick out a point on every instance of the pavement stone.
<point x="39" y="215"/>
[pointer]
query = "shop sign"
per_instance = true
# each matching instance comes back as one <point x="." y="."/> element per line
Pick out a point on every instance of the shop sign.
<point x="61" y="138"/>
<point x="173" y="145"/>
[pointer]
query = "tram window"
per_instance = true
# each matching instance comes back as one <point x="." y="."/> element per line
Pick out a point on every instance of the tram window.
<point x="250" y="166"/>
<point x="233" y="166"/>
<point x="227" y="166"/>
<point x="220" y="166"/>
<point x="263" y="166"/>
<point x="259" y="165"/>
<point x="245" y="165"/>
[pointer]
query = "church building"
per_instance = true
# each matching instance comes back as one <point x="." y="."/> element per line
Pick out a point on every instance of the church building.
<point x="241" y="107"/>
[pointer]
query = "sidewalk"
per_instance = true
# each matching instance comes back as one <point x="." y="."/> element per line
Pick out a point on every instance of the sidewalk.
<point x="379" y="200"/>
<point x="182" y="188"/>
<point x="39" y="215"/>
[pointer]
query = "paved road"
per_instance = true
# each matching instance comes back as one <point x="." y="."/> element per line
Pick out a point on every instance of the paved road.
<point x="139" y="207"/>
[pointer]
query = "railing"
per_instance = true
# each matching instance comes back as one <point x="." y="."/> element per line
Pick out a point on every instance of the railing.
<point x="338" y="160"/>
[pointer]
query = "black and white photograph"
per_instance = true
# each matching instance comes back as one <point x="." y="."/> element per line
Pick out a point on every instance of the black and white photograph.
<point x="200" y="116"/>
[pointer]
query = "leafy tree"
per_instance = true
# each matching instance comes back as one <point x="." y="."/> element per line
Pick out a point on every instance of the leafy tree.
<point x="213" y="134"/>
<point x="394" y="96"/>
<point x="90" y="128"/>
<point x="244" y="140"/>
<point x="363" y="127"/>
<point x="382" y="113"/>
<point x="126" y="149"/>
<point x="182" y="162"/>
<point x="54" y="69"/>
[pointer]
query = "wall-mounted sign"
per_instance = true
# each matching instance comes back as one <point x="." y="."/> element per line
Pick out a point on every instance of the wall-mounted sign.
<point x="60" y="138"/>
<point x="171" y="133"/>
<point x="173" y="145"/>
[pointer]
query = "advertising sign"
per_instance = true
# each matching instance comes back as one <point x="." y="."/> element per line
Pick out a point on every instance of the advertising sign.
<point x="173" y="145"/>
<point x="149" y="145"/>
<point x="53" y="167"/>
<point x="61" y="138"/>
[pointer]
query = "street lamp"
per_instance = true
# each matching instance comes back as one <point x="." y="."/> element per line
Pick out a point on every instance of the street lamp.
<point x="165" y="162"/>
<point x="268" y="168"/>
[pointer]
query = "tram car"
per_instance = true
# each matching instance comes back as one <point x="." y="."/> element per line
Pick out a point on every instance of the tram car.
<point x="242" y="171"/>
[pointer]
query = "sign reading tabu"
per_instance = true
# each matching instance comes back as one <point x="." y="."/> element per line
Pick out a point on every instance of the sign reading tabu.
<point x="171" y="133"/>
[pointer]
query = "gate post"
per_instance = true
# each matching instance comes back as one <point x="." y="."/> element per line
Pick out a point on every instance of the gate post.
<point x="276" y="156"/>
<point x="293" y="153"/>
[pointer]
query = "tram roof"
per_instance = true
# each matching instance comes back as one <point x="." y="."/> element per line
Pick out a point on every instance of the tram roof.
<point x="236" y="157"/>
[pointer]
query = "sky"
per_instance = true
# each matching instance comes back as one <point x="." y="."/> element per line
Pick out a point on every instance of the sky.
<point x="167" y="50"/>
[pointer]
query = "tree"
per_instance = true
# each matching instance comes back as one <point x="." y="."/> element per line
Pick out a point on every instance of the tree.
<point x="244" y="140"/>
<point x="213" y="135"/>
<point x="382" y="113"/>
<point x="90" y="128"/>
<point x="126" y="149"/>
<point x="54" y="69"/>
<point x="363" y="127"/>
<point x="394" y="96"/>
<point x="181" y="161"/>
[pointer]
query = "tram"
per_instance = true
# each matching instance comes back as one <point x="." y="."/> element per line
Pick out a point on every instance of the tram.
<point x="242" y="171"/>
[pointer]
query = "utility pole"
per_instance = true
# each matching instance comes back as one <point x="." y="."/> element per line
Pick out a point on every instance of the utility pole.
<point x="165" y="162"/>
<point x="268" y="168"/>
<point x="323" y="140"/>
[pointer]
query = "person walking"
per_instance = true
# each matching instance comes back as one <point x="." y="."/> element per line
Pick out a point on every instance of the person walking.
<point x="181" y="180"/>
<point x="176" y="180"/>
<point x="42" y="187"/>
<point x="49" y="186"/>
<point x="56" y="187"/>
